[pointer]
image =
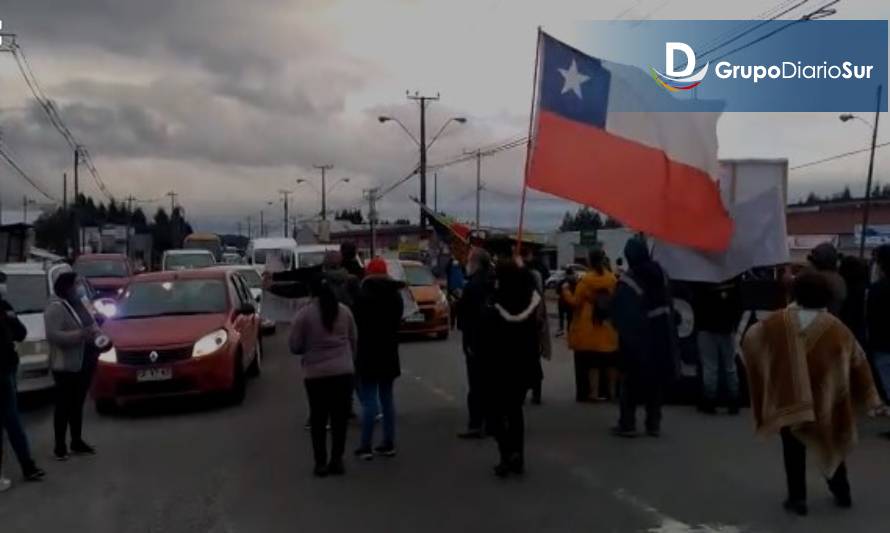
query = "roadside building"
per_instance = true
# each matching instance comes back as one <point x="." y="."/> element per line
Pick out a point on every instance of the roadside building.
<point x="837" y="222"/>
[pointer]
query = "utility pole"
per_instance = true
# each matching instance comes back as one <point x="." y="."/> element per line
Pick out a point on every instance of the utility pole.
<point x="871" y="169"/>
<point x="286" y="195"/>
<point x="174" y="230"/>
<point x="239" y="228"/>
<point x="371" y="194"/>
<point x="130" y="201"/>
<point x="249" y="228"/>
<point x="324" y="192"/>
<point x="262" y="225"/>
<point x="77" y="235"/>
<point x="436" y="192"/>
<point x="25" y="209"/>
<point x="478" y="153"/>
<point x="423" y="102"/>
<point x="64" y="191"/>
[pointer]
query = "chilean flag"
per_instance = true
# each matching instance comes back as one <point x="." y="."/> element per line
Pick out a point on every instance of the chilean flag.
<point x="598" y="140"/>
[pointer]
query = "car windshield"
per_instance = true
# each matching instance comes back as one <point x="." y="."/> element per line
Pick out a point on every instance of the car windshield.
<point x="27" y="293"/>
<point x="106" y="268"/>
<point x="186" y="261"/>
<point x="252" y="278"/>
<point x="310" y="259"/>
<point x="178" y="297"/>
<point x="419" y="276"/>
<point x="262" y="256"/>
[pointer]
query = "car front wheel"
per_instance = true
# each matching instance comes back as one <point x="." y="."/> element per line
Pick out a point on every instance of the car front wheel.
<point x="239" y="382"/>
<point x="256" y="366"/>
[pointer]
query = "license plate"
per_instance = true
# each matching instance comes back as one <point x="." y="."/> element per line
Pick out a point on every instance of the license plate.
<point x="416" y="317"/>
<point x="154" y="374"/>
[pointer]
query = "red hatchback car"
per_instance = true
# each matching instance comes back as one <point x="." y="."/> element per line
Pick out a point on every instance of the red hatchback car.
<point x="180" y="333"/>
<point x="108" y="274"/>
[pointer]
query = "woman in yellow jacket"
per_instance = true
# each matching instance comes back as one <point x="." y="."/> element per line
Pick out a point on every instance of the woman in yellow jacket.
<point x="593" y="340"/>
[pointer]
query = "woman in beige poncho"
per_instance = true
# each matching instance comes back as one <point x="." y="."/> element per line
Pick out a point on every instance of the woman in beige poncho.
<point x="808" y="376"/>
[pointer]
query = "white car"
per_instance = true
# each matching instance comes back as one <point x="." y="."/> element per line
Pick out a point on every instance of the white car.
<point x="30" y="286"/>
<point x="255" y="283"/>
<point x="187" y="259"/>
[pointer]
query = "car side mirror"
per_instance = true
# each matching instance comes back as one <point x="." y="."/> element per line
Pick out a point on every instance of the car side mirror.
<point x="247" y="309"/>
<point x="141" y="270"/>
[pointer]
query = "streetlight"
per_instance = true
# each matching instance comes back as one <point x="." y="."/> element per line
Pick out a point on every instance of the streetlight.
<point x="323" y="191"/>
<point x="262" y="221"/>
<point x="422" y="143"/>
<point x="846" y="117"/>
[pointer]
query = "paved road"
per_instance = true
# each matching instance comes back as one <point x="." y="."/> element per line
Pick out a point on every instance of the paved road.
<point x="205" y="468"/>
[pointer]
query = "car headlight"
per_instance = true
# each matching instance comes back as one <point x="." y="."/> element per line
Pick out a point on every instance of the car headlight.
<point x="106" y="306"/>
<point x="109" y="356"/>
<point x="210" y="343"/>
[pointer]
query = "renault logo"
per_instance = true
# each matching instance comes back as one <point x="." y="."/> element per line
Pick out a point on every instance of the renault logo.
<point x="153" y="356"/>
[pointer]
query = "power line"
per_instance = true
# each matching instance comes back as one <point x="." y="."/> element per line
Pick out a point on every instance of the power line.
<point x="838" y="156"/>
<point x="12" y="163"/>
<point x="52" y="113"/>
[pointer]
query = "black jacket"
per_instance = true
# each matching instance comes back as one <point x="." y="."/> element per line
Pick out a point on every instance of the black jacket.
<point x="477" y="294"/>
<point x="509" y="347"/>
<point x="647" y="334"/>
<point x="877" y="313"/>
<point x="11" y="331"/>
<point x="718" y="307"/>
<point x="378" y="315"/>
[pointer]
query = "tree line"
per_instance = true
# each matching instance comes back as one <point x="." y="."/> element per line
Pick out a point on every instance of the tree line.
<point x="586" y="219"/>
<point x="54" y="230"/>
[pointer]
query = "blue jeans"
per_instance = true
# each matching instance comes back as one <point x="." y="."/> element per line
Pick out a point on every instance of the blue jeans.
<point x="717" y="352"/>
<point x="375" y="395"/>
<point x="11" y="421"/>
<point x="881" y="362"/>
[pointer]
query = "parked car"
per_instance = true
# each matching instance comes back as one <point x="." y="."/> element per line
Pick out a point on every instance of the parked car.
<point x="186" y="259"/>
<point x="433" y="314"/>
<point x="107" y="273"/>
<point x="180" y="333"/>
<point x="29" y="288"/>
<point x="559" y="274"/>
<point x="255" y="284"/>
<point x="232" y="258"/>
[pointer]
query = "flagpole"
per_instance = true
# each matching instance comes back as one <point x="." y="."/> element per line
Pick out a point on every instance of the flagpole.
<point x="528" y="148"/>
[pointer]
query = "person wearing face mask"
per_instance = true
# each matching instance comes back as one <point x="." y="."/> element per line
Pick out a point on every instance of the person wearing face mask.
<point x="72" y="332"/>
<point x="11" y="331"/>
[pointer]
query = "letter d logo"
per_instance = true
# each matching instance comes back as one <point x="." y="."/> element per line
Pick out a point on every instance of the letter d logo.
<point x="670" y="50"/>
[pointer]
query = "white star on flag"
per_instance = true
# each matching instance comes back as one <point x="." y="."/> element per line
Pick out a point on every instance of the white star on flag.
<point x="572" y="79"/>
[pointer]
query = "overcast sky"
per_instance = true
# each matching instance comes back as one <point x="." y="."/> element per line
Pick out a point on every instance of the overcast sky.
<point x="227" y="102"/>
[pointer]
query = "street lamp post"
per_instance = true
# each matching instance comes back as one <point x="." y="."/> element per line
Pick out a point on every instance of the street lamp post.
<point x="324" y="190"/>
<point x="866" y="208"/>
<point x="421" y="143"/>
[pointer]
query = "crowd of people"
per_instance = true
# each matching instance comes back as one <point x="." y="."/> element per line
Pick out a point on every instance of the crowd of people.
<point x="809" y="365"/>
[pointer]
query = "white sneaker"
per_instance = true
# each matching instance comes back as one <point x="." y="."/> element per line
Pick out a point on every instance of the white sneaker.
<point x="5" y="484"/>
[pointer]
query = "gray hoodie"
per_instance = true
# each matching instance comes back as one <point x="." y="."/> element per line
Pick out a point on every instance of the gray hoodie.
<point x="325" y="353"/>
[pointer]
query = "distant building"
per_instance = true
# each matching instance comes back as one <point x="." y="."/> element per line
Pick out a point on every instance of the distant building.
<point x="838" y="222"/>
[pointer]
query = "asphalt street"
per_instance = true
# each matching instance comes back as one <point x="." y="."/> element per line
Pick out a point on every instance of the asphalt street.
<point x="195" y="466"/>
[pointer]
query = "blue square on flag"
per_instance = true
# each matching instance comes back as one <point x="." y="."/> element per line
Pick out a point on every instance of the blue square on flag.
<point x="573" y="84"/>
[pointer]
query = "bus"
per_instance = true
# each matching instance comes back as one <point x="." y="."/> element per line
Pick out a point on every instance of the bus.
<point x="205" y="241"/>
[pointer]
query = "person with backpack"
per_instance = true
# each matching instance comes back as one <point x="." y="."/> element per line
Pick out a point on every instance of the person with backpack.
<point x="591" y="335"/>
<point x="643" y="315"/>
<point x="324" y="334"/>
<point x="378" y="315"/>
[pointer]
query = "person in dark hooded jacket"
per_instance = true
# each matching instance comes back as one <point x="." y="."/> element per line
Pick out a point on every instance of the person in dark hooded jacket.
<point x="378" y="313"/>
<point x="476" y="296"/>
<point x="642" y="314"/>
<point x="509" y="348"/>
